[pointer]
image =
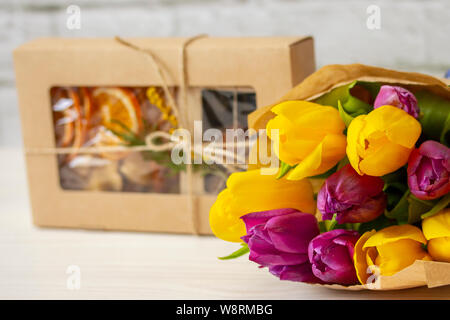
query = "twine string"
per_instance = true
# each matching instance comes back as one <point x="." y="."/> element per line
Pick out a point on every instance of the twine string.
<point x="184" y="119"/>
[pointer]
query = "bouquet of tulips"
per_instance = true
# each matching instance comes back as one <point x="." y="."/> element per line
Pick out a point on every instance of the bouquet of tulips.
<point x="362" y="194"/>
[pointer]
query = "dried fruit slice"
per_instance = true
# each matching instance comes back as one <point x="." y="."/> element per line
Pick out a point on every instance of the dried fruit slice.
<point x="87" y="105"/>
<point x="69" y="130"/>
<point x="119" y="109"/>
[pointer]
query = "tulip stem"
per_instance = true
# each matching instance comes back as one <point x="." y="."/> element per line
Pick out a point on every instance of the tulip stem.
<point x="442" y="204"/>
<point x="237" y="253"/>
<point x="399" y="207"/>
<point x="333" y="223"/>
<point x="424" y="202"/>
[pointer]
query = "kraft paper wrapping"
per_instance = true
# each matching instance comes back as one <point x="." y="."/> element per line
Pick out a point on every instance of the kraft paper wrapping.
<point x="332" y="76"/>
<point x="420" y="273"/>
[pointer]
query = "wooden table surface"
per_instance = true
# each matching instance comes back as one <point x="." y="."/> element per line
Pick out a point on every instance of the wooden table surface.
<point x="125" y="265"/>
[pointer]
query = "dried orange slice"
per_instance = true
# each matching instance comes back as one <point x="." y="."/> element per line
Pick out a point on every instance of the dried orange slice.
<point x="119" y="109"/>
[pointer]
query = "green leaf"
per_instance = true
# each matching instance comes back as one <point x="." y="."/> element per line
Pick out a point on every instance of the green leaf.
<point x="323" y="226"/>
<point x="400" y="211"/>
<point x="433" y="114"/>
<point x="344" y="115"/>
<point x="326" y="174"/>
<point x="328" y="225"/>
<point x="379" y="223"/>
<point x="285" y="168"/>
<point x="410" y="209"/>
<point x="445" y="134"/>
<point x="240" y="252"/>
<point x="342" y="163"/>
<point x="394" y="187"/>
<point x="417" y="207"/>
<point x="442" y="204"/>
<point x="352" y="105"/>
<point x="333" y="223"/>
<point x="396" y="176"/>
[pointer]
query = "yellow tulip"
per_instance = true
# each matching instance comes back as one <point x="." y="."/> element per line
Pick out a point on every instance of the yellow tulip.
<point x="310" y="137"/>
<point x="251" y="191"/>
<point x="437" y="231"/>
<point x="380" y="142"/>
<point x="388" y="251"/>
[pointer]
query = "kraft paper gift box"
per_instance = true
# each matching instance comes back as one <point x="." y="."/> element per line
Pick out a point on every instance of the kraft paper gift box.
<point x="68" y="87"/>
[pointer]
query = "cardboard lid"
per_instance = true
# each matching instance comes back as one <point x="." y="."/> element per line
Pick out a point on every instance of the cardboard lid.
<point x="206" y="43"/>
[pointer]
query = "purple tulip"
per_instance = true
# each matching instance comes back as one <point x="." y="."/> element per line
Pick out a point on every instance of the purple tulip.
<point x="397" y="97"/>
<point x="278" y="239"/>
<point x="331" y="256"/>
<point x="428" y="170"/>
<point x="352" y="197"/>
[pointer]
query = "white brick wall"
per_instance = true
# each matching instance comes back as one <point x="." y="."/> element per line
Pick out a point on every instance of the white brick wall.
<point x="414" y="34"/>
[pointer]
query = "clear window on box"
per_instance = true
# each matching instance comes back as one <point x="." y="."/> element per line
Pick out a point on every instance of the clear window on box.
<point x="124" y="116"/>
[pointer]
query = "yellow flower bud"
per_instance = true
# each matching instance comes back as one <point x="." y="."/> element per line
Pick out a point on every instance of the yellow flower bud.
<point x="252" y="191"/>
<point x="437" y="231"/>
<point x="310" y="137"/>
<point x="388" y="251"/>
<point x="380" y="142"/>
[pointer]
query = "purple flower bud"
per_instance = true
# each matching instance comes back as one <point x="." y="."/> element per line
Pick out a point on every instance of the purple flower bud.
<point x="278" y="239"/>
<point x="331" y="256"/>
<point x="352" y="197"/>
<point x="428" y="170"/>
<point x="397" y="97"/>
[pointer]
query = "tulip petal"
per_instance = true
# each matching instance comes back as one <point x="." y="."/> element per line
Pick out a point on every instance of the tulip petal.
<point x="283" y="126"/>
<point x="255" y="218"/>
<point x="324" y="157"/>
<point x="306" y="114"/>
<point x="395" y="233"/>
<point x="294" y="109"/>
<point x="398" y="97"/>
<point x="299" y="273"/>
<point x="252" y="191"/>
<point x="353" y="131"/>
<point x="331" y="256"/>
<point x="400" y="127"/>
<point x="371" y="256"/>
<point x="309" y="166"/>
<point x="359" y="257"/>
<point x="302" y="147"/>
<point x="265" y="254"/>
<point x="429" y="170"/>
<point x="397" y="255"/>
<point x="437" y="226"/>
<point x="434" y="150"/>
<point x="336" y="257"/>
<point x="222" y="220"/>
<point x="405" y="130"/>
<point x="292" y="232"/>
<point x="385" y="133"/>
<point x="376" y="163"/>
<point x="303" y="140"/>
<point x="439" y="249"/>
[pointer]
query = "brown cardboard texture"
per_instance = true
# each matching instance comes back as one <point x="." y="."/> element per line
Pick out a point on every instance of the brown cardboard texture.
<point x="269" y="66"/>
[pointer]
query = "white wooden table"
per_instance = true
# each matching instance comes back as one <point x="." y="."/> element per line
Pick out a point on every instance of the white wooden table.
<point x="121" y="265"/>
